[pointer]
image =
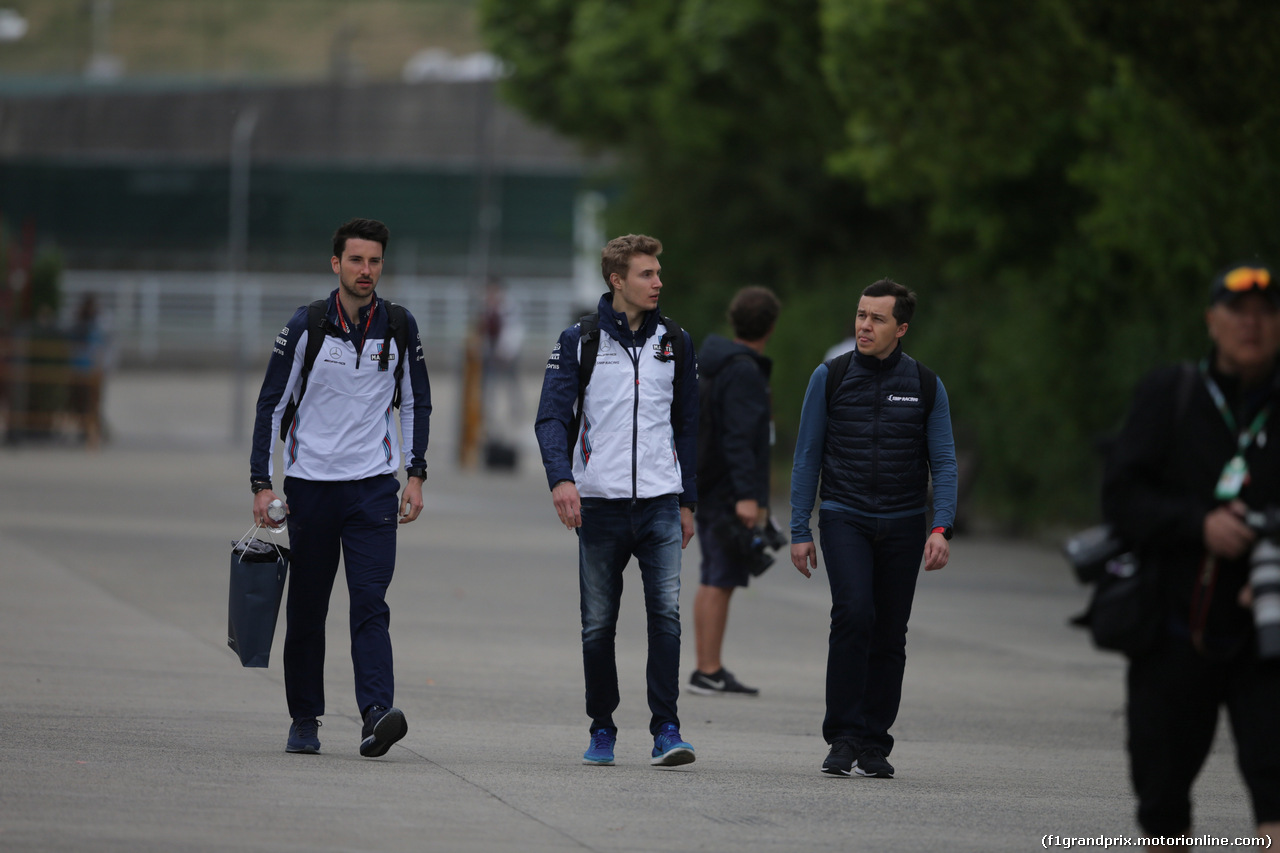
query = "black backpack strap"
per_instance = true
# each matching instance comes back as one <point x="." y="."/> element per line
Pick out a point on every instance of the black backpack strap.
<point x="398" y="328"/>
<point x="928" y="389"/>
<point x="836" y="369"/>
<point x="589" y="343"/>
<point x="590" y="340"/>
<point x="315" y="339"/>
<point x="675" y="336"/>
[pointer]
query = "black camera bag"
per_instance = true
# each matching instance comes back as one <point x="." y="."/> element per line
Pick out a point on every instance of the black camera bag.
<point x="1124" y="612"/>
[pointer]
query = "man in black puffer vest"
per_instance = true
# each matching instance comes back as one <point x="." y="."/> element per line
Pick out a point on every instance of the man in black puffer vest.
<point x="875" y="441"/>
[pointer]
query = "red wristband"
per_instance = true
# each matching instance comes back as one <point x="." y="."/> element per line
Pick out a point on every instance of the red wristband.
<point x="941" y="530"/>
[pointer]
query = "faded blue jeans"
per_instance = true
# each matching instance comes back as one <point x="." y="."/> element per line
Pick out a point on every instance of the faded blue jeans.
<point x="612" y="532"/>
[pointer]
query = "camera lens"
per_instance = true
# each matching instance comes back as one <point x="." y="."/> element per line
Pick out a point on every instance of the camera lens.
<point x="1264" y="578"/>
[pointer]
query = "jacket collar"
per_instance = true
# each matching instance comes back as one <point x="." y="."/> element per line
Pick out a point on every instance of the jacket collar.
<point x="617" y="326"/>
<point x="335" y="307"/>
<point x="870" y="362"/>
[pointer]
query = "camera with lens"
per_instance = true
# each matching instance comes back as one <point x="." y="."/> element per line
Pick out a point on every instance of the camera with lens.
<point x="1264" y="579"/>
<point x="1095" y="552"/>
<point x="749" y="545"/>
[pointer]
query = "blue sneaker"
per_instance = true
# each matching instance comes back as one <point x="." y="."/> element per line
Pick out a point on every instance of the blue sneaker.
<point x="669" y="749"/>
<point x="601" y="749"/>
<point x="303" y="736"/>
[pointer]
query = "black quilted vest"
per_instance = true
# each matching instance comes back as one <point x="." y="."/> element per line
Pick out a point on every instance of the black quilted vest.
<point x="875" y="459"/>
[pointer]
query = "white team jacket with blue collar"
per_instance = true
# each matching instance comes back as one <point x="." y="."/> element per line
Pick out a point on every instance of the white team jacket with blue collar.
<point x="634" y="439"/>
<point x="344" y="428"/>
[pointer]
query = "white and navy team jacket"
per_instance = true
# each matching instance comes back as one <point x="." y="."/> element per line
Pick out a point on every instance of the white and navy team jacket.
<point x="634" y="439"/>
<point x="344" y="427"/>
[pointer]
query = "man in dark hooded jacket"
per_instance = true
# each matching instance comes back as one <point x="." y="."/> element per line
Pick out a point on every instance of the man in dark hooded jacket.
<point x="735" y="433"/>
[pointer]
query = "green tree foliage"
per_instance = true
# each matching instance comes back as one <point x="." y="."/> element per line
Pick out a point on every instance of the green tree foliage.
<point x="724" y="118"/>
<point x="1058" y="179"/>
<point x="1086" y="167"/>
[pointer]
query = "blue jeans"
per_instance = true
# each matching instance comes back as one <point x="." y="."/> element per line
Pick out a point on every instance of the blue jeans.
<point x="612" y="532"/>
<point x="872" y="565"/>
<point x="357" y="519"/>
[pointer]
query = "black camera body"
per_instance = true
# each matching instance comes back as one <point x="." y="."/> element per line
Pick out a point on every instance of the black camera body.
<point x="1090" y="551"/>
<point x="749" y="546"/>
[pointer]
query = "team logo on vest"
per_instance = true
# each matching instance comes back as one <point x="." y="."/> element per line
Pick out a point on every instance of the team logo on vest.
<point x="607" y="350"/>
<point x="377" y="356"/>
<point x="903" y="398"/>
<point x="664" y="350"/>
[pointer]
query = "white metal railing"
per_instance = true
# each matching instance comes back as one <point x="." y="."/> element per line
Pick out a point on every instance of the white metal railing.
<point x="198" y="318"/>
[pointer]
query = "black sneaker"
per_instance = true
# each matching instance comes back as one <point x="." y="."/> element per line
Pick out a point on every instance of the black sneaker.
<point x="840" y="759"/>
<point x="303" y="737"/>
<point x="719" y="683"/>
<point x="873" y="763"/>
<point x="382" y="727"/>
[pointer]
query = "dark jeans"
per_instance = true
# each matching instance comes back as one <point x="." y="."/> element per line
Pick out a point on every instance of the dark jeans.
<point x="872" y="565"/>
<point x="1174" y="696"/>
<point x="356" y="518"/>
<point x="612" y="532"/>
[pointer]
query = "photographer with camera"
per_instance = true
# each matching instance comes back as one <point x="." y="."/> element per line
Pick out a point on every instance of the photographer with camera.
<point x="1189" y="484"/>
<point x="735" y="432"/>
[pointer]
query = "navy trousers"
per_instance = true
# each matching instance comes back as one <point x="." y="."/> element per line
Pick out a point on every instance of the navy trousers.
<point x="872" y="565"/>
<point x="357" y="520"/>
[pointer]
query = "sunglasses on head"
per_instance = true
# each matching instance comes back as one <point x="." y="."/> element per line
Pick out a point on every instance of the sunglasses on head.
<point x="1242" y="279"/>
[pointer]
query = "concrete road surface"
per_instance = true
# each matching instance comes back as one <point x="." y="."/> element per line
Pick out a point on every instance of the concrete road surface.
<point x="127" y="725"/>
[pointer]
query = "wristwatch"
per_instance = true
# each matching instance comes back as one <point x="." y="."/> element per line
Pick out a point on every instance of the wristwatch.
<point x="258" y="484"/>
<point x="419" y="471"/>
<point x="945" y="531"/>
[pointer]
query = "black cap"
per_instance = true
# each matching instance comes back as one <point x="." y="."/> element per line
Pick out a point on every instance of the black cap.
<point x="1240" y="279"/>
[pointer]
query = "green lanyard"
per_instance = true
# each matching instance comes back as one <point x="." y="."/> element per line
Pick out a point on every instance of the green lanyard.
<point x="1236" y="471"/>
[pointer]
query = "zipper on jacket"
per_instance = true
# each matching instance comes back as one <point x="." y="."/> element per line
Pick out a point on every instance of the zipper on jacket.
<point x="875" y="439"/>
<point x="635" y="419"/>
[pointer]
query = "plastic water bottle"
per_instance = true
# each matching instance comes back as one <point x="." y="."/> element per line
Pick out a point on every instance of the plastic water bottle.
<point x="275" y="511"/>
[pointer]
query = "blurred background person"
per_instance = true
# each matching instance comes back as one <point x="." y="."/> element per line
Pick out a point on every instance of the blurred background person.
<point x="88" y="369"/>
<point x="1192" y="458"/>
<point x="501" y="338"/>
<point x="735" y="430"/>
<point x="847" y="344"/>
